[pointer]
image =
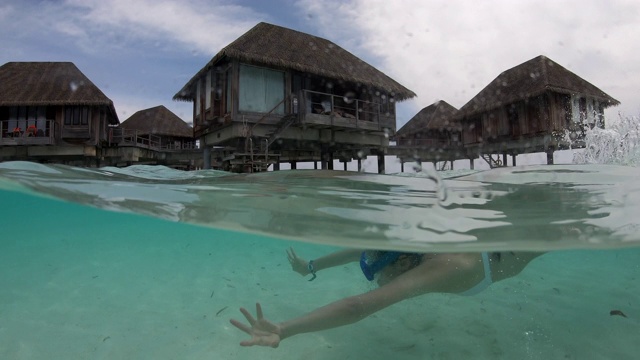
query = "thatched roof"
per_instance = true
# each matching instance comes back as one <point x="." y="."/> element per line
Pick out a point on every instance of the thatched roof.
<point x="530" y="79"/>
<point x="283" y="48"/>
<point x="437" y="116"/>
<point x="49" y="84"/>
<point x="158" y="121"/>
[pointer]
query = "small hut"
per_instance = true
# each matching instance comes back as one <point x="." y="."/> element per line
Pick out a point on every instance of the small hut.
<point x="433" y="134"/>
<point x="530" y="108"/>
<point x="279" y="95"/>
<point x="53" y="104"/>
<point x="158" y="128"/>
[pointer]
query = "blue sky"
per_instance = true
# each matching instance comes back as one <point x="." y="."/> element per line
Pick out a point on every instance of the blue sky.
<point x="141" y="52"/>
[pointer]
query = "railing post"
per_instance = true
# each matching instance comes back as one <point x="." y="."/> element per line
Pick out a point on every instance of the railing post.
<point x="357" y="113"/>
<point x="332" y="104"/>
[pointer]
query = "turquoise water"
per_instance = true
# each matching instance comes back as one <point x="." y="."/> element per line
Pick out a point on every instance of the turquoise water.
<point x="151" y="263"/>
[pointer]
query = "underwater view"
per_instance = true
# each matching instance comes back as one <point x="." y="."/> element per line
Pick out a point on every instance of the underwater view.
<point x="151" y="262"/>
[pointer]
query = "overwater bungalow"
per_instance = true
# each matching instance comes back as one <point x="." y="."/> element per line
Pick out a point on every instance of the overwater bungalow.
<point x="432" y="135"/>
<point x="279" y="95"/>
<point x="156" y="127"/>
<point x="51" y="112"/>
<point x="154" y="136"/>
<point x="530" y="108"/>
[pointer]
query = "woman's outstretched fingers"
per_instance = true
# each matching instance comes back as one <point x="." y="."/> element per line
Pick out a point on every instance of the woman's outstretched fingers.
<point x="240" y="326"/>
<point x="259" y="312"/>
<point x="248" y="316"/>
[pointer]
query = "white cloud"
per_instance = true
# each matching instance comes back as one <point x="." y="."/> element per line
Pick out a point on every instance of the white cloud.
<point x="198" y="25"/>
<point x="450" y="50"/>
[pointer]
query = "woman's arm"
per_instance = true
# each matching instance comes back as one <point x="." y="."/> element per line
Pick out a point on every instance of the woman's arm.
<point x="430" y="276"/>
<point x="337" y="258"/>
<point x="441" y="274"/>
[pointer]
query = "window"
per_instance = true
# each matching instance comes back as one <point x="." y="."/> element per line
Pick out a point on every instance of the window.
<point x="24" y="116"/>
<point x="227" y="79"/>
<point x="198" y="83"/>
<point x="261" y="89"/>
<point x="207" y="92"/>
<point x="76" y="115"/>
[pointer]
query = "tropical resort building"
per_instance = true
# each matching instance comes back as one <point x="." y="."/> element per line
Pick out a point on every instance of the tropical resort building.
<point x="154" y="136"/>
<point x="278" y="95"/>
<point x="537" y="106"/>
<point x="51" y="112"/>
<point x="432" y="135"/>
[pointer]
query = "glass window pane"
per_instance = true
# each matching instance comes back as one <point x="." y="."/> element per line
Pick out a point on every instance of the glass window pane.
<point x="260" y="89"/>
<point x="252" y="89"/>
<point x="68" y="115"/>
<point x="85" y="115"/>
<point x="274" y="86"/>
<point x="76" y="116"/>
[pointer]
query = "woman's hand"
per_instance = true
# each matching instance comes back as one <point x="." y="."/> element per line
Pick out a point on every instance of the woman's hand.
<point x="263" y="332"/>
<point x="298" y="264"/>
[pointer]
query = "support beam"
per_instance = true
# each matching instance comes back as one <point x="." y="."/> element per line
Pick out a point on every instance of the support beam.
<point x="381" y="168"/>
<point x="206" y="158"/>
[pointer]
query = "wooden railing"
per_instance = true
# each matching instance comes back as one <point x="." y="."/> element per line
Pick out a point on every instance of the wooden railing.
<point x="128" y="137"/>
<point x="28" y="132"/>
<point x="361" y="113"/>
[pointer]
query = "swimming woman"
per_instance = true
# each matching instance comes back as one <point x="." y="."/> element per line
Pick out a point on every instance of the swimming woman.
<point x="399" y="275"/>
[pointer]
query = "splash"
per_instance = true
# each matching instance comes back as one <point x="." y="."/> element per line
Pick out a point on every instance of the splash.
<point x="618" y="144"/>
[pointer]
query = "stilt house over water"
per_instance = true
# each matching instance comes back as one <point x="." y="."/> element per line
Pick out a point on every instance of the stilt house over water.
<point x="156" y="127"/>
<point x="154" y="136"/>
<point x="278" y="95"/>
<point x="51" y="112"/>
<point x="432" y="135"/>
<point x="530" y="108"/>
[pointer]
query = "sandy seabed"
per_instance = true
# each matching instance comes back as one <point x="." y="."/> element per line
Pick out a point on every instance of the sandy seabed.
<point x="80" y="283"/>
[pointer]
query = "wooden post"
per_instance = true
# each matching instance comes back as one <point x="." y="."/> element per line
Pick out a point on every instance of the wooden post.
<point x="381" y="164"/>
<point x="513" y="160"/>
<point x="293" y="165"/>
<point x="276" y="166"/>
<point x="359" y="165"/>
<point x="315" y="165"/>
<point x="451" y="164"/>
<point x="345" y="166"/>
<point x="504" y="159"/>
<point x="401" y="166"/>
<point x="549" y="157"/>
<point x="206" y="154"/>
<point x="471" y="164"/>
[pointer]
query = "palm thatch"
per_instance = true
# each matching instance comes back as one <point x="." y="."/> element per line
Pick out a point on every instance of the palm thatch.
<point x="49" y="84"/>
<point x="437" y="116"/>
<point x="158" y="121"/>
<point x="284" y="48"/>
<point x="530" y="79"/>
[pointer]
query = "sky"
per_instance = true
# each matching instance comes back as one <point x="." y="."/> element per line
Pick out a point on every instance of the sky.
<point x="141" y="52"/>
